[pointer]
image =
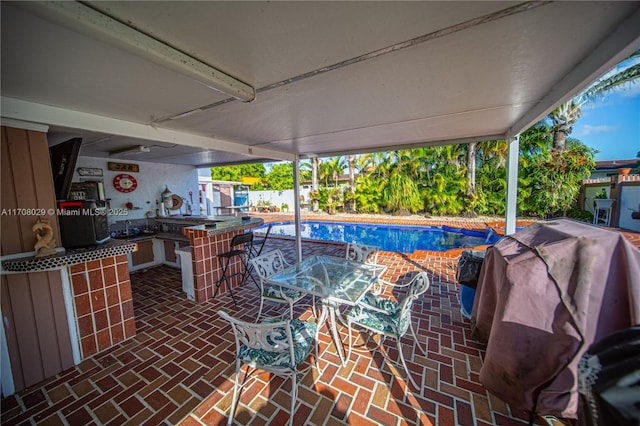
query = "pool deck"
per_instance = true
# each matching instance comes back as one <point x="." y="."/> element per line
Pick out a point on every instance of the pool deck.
<point x="178" y="369"/>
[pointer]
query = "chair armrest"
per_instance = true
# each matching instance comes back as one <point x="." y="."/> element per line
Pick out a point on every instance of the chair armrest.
<point x="377" y="286"/>
<point x="393" y="284"/>
<point x="367" y="307"/>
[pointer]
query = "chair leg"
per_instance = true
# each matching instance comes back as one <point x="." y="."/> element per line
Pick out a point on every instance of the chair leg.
<point x="225" y="278"/>
<point x="404" y="364"/>
<point x="260" y="310"/>
<point x="415" y="337"/>
<point x="236" y="386"/>
<point x="350" y="339"/>
<point x="316" y="354"/>
<point x="294" y="397"/>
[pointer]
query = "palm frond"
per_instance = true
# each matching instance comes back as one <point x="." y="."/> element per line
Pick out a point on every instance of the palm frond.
<point x="621" y="80"/>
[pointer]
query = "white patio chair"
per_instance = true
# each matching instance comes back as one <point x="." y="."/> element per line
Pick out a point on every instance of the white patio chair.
<point x="365" y="254"/>
<point x="362" y="253"/>
<point x="266" y="265"/>
<point x="275" y="346"/>
<point x="389" y="318"/>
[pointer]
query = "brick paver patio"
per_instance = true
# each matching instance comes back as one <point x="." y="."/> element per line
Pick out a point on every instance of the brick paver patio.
<point x="179" y="367"/>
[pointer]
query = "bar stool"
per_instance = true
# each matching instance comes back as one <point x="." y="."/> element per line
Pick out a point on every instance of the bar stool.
<point x="258" y="243"/>
<point x="243" y="252"/>
<point x="602" y="205"/>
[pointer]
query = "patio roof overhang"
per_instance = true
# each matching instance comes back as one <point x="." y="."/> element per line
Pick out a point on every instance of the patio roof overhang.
<point x="219" y="83"/>
<point x="328" y="78"/>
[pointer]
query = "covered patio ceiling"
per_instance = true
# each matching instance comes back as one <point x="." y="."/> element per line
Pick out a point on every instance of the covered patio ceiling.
<point x="328" y="78"/>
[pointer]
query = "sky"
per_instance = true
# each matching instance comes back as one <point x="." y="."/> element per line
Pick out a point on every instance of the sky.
<point x="612" y="125"/>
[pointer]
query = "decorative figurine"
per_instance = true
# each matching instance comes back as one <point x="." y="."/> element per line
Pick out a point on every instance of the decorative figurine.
<point x="45" y="244"/>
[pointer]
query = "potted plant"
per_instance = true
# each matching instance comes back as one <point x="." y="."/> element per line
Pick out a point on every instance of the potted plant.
<point x="331" y="207"/>
<point x="602" y="194"/>
<point x="284" y="207"/>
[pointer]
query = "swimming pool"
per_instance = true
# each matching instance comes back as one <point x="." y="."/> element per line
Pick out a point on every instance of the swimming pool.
<point x="395" y="238"/>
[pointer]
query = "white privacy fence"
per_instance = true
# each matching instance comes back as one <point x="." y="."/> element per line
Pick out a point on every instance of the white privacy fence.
<point x="277" y="198"/>
<point x="624" y="190"/>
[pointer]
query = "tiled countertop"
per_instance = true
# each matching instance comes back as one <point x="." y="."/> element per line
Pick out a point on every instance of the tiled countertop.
<point x="69" y="257"/>
<point x="221" y="226"/>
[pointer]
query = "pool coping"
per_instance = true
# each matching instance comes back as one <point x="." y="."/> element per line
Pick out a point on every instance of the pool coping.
<point x="446" y="225"/>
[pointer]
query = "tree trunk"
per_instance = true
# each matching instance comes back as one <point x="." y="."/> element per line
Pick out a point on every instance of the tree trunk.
<point x="314" y="180"/>
<point x="351" y="159"/>
<point x="559" y="139"/>
<point x="471" y="169"/>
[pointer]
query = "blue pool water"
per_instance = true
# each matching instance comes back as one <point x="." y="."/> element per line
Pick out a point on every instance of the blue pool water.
<point x="395" y="238"/>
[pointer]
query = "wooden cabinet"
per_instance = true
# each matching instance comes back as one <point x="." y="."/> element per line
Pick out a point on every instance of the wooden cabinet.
<point x="144" y="253"/>
<point x="155" y="251"/>
<point x="170" y="257"/>
<point x="170" y="251"/>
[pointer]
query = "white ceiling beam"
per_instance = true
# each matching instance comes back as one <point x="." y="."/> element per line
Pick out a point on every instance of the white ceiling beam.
<point x="625" y="40"/>
<point x="37" y="113"/>
<point x="79" y="17"/>
<point x="411" y="145"/>
<point x="25" y="125"/>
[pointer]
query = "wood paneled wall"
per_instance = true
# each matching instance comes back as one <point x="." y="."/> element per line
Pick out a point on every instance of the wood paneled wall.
<point x="27" y="184"/>
<point x="33" y="311"/>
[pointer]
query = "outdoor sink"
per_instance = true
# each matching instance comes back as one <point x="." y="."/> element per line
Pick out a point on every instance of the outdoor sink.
<point x="131" y="236"/>
<point x="127" y="236"/>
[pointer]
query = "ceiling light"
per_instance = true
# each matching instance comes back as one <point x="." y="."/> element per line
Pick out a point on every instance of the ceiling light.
<point x="131" y="150"/>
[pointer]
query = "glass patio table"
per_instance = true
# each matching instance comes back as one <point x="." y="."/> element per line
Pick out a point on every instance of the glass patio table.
<point x="336" y="281"/>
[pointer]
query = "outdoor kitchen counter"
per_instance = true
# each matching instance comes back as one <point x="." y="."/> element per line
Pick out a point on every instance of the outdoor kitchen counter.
<point x="68" y="257"/>
<point x="220" y="225"/>
<point x="96" y="290"/>
<point x="207" y="239"/>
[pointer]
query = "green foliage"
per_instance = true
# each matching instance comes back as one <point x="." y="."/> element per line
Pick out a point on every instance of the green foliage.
<point x="491" y="178"/>
<point x="280" y="177"/>
<point x="323" y="196"/>
<point x="434" y="180"/>
<point x="577" y="213"/>
<point x="556" y="178"/>
<point x="401" y="193"/>
<point x="368" y="194"/>
<point x="444" y="180"/>
<point x="602" y="194"/>
<point x="235" y="173"/>
<point x="445" y="194"/>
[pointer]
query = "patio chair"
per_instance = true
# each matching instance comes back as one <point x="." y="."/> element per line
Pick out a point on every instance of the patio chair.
<point x="266" y="265"/>
<point x="365" y="254"/>
<point x="278" y="347"/>
<point x="362" y="253"/>
<point x="240" y="248"/>
<point x="258" y="243"/>
<point x="389" y="318"/>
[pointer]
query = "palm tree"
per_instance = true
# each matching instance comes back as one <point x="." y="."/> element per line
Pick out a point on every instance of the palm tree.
<point x="336" y="166"/>
<point x="471" y="169"/>
<point x="315" y="164"/>
<point x="566" y="115"/>
<point x="324" y="171"/>
<point x="351" y="160"/>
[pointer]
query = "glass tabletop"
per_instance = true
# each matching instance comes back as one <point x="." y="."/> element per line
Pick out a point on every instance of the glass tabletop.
<point x="331" y="278"/>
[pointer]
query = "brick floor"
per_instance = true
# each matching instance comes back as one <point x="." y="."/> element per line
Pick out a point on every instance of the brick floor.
<point x="178" y="369"/>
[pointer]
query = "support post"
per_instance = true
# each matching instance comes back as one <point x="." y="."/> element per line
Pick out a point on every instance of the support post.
<point x="511" y="205"/>
<point x="296" y="203"/>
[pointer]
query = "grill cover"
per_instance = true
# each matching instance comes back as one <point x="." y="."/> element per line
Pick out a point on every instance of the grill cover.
<point x="544" y="295"/>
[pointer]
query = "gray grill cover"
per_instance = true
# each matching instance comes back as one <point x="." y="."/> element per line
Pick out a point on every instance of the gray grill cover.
<point x="544" y="295"/>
